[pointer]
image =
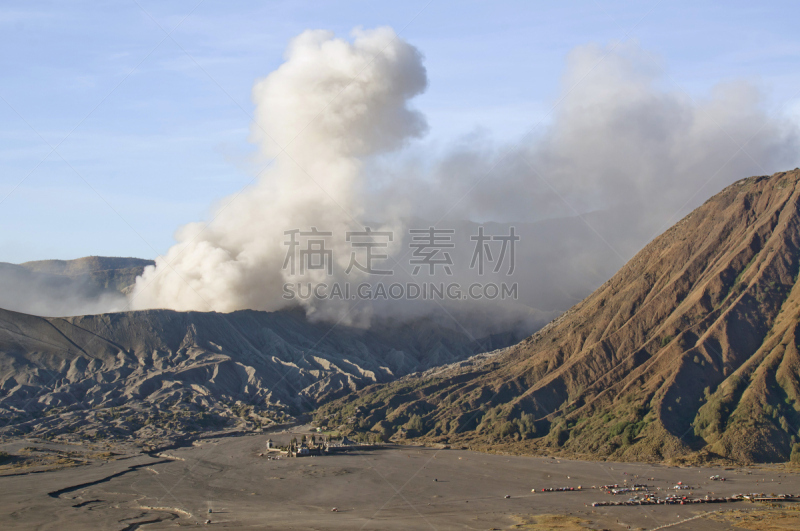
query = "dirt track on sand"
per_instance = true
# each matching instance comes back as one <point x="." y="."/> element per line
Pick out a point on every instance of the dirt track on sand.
<point x="396" y="488"/>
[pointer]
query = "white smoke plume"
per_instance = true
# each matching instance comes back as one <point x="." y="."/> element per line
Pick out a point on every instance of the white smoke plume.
<point x="620" y="160"/>
<point x="331" y="104"/>
<point x="622" y="135"/>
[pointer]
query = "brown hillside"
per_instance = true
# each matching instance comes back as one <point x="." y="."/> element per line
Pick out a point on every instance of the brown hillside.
<point x="691" y="347"/>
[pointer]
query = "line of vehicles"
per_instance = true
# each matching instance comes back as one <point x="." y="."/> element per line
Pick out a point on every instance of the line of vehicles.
<point x="644" y="495"/>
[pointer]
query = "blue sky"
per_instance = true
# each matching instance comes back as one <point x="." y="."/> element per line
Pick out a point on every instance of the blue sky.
<point x="150" y="132"/>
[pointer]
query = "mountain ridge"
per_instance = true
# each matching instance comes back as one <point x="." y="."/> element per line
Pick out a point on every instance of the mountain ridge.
<point x="89" y="285"/>
<point x="72" y="375"/>
<point x="690" y="349"/>
<point x="86" y="264"/>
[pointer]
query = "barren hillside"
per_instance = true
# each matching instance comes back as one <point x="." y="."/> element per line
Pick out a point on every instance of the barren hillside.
<point x="691" y="348"/>
<point x="160" y="374"/>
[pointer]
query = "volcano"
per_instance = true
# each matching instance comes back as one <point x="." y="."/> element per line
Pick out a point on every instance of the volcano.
<point x="690" y="350"/>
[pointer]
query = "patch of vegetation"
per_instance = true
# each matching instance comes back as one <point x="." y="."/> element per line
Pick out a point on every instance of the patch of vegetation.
<point x="500" y="423"/>
<point x="559" y="433"/>
<point x="795" y="457"/>
<point x="712" y="419"/>
<point x="628" y="431"/>
<point x="415" y="426"/>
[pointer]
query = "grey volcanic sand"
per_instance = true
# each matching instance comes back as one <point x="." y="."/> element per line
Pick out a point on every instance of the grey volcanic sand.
<point x="385" y="489"/>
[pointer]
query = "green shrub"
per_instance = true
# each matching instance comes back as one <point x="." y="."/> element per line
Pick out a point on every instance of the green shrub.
<point x="795" y="457"/>
<point x="525" y="426"/>
<point x="415" y="426"/>
<point x="618" y="428"/>
<point x="507" y="429"/>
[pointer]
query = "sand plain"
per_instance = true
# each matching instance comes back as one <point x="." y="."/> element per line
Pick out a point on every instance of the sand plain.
<point x="400" y="487"/>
